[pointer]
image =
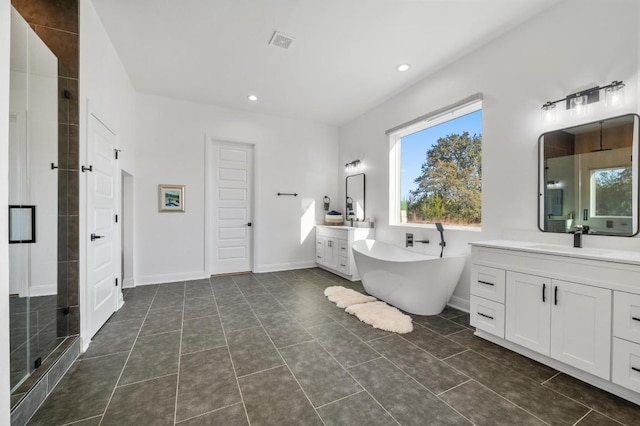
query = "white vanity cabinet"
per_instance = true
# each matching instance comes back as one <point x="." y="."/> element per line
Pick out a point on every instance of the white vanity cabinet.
<point x="564" y="320"/>
<point x="333" y="249"/>
<point x="576" y="311"/>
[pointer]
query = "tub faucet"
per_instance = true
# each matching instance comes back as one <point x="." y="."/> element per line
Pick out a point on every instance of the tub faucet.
<point x="408" y="240"/>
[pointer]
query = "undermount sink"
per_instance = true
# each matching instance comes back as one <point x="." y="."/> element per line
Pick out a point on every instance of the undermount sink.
<point x="561" y="249"/>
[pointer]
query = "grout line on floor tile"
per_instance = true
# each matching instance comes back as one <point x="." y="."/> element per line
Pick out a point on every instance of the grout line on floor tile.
<point x="202" y="350"/>
<point x="453" y="387"/>
<point x="551" y="378"/>
<point x="208" y="412"/>
<point x="175" y="410"/>
<point x="340" y="399"/>
<point x="360" y="384"/>
<point x="360" y="363"/>
<point x="127" y="360"/>
<point x="100" y="356"/>
<point x="148" y="379"/>
<point x="75" y="422"/>
<point x="287" y="365"/>
<point x="233" y="366"/>
<point x="261" y="371"/>
<point x="581" y="418"/>
<point x="238" y="330"/>
<point x="298" y="343"/>
<point x="451" y="356"/>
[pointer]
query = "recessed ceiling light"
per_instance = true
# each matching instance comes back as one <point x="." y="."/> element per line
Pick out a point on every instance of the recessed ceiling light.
<point x="403" y="67"/>
<point x="252" y="98"/>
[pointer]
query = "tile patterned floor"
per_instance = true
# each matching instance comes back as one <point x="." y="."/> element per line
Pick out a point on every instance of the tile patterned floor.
<point x="270" y="349"/>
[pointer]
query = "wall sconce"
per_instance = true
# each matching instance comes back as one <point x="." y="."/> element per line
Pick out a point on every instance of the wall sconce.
<point x="578" y="102"/>
<point x="353" y="166"/>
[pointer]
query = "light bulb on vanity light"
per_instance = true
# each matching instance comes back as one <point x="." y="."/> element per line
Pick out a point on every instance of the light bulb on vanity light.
<point x="614" y="94"/>
<point x="578" y="104"/>
<point x="549" y="112"/>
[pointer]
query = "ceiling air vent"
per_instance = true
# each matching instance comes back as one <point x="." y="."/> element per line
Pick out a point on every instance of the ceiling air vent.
<point x="281" y="40"/>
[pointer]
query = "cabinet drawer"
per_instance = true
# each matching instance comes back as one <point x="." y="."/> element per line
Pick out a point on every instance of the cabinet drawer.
<point x="626" y="364"/>
<point x="344" y="248"/>
<point x="488" y="283"/>
<point x="343" y="265"/>
<point x="626" y="316"/>
<point x="487" y="315"/>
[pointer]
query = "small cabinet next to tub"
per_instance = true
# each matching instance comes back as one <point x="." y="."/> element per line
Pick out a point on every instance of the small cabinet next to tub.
<point x="333" y="249"/>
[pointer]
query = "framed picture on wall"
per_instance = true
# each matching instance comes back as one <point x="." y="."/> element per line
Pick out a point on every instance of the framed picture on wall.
<point x="171" y="198"/>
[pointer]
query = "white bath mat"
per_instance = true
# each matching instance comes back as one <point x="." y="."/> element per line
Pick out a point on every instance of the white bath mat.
<point x="382" y="316"/>
<point x="344" y="297"/>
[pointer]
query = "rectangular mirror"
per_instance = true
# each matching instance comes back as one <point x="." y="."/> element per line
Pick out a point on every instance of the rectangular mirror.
<point x="588" y="178"/>
<point x="354" y="200"/>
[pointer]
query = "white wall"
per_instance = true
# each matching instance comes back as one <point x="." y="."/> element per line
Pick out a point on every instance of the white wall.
<point x="572" y="46"/>
<point x="290" y="156"/>
<point x="107" y="92"/>
<point x="5" y="25"/>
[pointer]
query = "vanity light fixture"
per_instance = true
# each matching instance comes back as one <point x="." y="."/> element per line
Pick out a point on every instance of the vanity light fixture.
<point x="578" y="102"/>
<point x="252" y="98"/>
<point x="352" y="166"/>
<point x="403" y="67"/>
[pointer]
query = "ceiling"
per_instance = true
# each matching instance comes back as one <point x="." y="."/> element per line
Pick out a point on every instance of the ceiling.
<point x="341" y="64"/>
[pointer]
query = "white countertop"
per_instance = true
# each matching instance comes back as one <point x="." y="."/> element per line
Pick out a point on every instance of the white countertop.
<point x="605" y="255"/>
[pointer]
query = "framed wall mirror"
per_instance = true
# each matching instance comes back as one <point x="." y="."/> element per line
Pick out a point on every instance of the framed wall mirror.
<point x="588" y="178"/>
<point x="355" y="199"/>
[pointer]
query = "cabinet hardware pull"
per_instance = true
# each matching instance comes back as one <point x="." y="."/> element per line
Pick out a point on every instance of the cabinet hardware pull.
<point x="635" y="318"/>
<point x="319" y="257"/>
<point x="485" y="315"/>
<point x="555" y="295"/>
<point x="485" y="282"/>
<point x="544" y="289"/>
<point x="343" y="265"/>
<point x="635" y="369"/>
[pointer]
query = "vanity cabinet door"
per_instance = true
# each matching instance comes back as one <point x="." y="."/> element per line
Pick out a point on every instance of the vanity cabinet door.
<point x="581" y="327"/>
<point x="528" y="311"/>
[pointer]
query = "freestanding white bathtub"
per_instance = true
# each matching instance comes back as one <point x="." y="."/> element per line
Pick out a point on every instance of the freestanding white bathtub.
<point x="416" y="283"/>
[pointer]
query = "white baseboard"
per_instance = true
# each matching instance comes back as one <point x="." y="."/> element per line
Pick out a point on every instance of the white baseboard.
<point x="128" y="283"/>
<point x="168" y="278"/>
<point x="43" y="290"/>
<point x="459" y="303"/>
<point x="275" y="267"/>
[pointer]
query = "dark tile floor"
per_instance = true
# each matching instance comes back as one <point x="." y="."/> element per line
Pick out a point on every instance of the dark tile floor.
<point x="270" y="349"/>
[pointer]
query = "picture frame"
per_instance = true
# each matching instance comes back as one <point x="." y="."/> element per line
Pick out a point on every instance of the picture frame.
<point x="171" y="198"/>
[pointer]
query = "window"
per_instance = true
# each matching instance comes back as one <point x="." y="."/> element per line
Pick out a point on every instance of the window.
<point x="435" y="168"/>
<point x="611" y="192"/>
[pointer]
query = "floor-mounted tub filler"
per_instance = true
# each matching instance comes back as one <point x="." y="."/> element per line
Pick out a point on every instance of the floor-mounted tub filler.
<point x="417" y="283"/>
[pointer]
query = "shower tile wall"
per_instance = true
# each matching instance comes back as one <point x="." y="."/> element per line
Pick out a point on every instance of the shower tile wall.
<point x="56" y="22"/>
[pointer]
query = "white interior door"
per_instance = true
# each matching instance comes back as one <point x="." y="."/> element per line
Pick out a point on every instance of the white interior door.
<point x="101" y="210"/>
<point x="231" y="207"/>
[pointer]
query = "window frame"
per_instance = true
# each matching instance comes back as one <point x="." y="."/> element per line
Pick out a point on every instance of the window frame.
<point x="395" y="154"/>
<point x="593" y="192"/>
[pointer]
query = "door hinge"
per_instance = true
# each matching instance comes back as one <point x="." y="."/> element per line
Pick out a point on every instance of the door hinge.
<point x="116" y="152"/>
<point x="37" y="363"/>
<point x="116" y="282"/>
<point x="116" y="218"/>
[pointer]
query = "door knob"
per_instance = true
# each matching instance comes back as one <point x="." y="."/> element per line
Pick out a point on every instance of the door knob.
<point x="96" y="237"/>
